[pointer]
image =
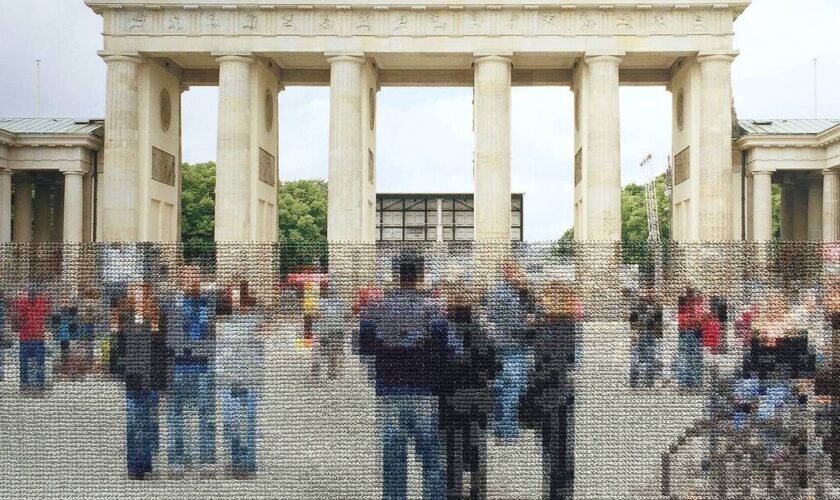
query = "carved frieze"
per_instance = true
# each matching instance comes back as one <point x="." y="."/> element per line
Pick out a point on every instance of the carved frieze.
<point x="421" y="21"/>
<point x="682" y="166"/>
<point x="163" y="167"/>
<point x="267" y="168"/>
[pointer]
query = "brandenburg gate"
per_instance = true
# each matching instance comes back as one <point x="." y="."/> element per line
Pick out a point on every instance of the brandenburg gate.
<point x="252" y="49"/>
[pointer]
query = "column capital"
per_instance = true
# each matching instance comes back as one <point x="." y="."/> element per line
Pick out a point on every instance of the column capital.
<point x="5" y="171"/>
<point x="72" y="172"/>
<point x="614" y="57"/>
<point x="502" y="58"/>
<point x="761" y="172"/>
<point x="111" y="57"/>
<point x="828" y="172"/>
<point x="354" y="57"/>
<point x="240" y="58"/>
<point x="717" y="56"/>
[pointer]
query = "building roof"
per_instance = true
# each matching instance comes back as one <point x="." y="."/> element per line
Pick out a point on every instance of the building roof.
<point x="786" y="127"/>
<point x="53" y="126"/>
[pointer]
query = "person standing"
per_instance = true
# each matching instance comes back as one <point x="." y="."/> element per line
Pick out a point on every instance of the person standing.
<point x="406" y="335"/>
<point x="190" y="315"/>
<point x="646" y="339"/>
<point x="466" y="398"/>
<point x="329" y="329"/>
<point x="32" y="311"/>
<point x="240" y="361"/>
<point x="507" y="308"/>
<point x="144" y="371"/>
<point x="691" y="314"/>
<point x="548" y="403"/>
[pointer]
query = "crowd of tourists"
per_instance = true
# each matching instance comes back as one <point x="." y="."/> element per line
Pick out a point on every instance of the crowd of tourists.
<point x="455" y="365"/>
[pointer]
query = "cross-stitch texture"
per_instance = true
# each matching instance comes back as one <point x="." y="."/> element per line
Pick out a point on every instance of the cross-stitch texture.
<point x="494" y="370"/>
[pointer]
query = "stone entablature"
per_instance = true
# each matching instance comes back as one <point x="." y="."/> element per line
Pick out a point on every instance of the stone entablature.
<point x="411" y="20"/>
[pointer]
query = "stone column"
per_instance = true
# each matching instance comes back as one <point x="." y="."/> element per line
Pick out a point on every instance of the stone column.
<point x="800" y="213"/>
<point x="57" y="213"/>
<point x="72" y="220"/>
<point x="788" y="208"/>
<point x="233" y="198"/>
<point x="762" y="206"/>
<point x="603" y="187"/>
<point x="23" y="210"/>
<point x="346" y="162"/>
<point x="121" y="173"/>
<point x="815" y="215"/>
<point x="830" y="205"/>
<point x="491" y="112"/>
<point x="43" y="213"/>
<point x="715" y="194"/>
<point x="5" y="205"/>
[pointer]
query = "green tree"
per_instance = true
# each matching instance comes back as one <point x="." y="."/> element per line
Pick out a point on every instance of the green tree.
<point x="198" y="206"/>
<point x="302" y="222"/>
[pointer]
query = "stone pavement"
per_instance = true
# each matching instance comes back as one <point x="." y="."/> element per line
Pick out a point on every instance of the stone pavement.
<point x="315" y="441"/>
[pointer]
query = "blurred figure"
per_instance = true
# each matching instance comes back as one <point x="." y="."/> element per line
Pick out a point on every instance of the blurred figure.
<point x="777" y="379"/>
<point x="828" y="380"/>
<point x="2" y="336"/>
<point x="646" y="340"/>
<point x="691" y="311"/>
<point x="406" y="334"/>
<point x="190" y="315"/>
<point x="310" y="303"/>
<point x="65" y="326"/>
<point x="548" y="403"/>
<point x="507" y="308"/>
<point x="31" y="313"/>
<point x="329" y="330"/>
<point x="137" y="320"/>
<point x="240" y="361"/>
<point x="466" y="398"/>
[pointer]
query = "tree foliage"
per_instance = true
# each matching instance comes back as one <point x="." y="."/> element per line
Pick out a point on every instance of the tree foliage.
<point x="302" y="216"/>
<point x="198" y="206"/>
<point x="302" y="221"/>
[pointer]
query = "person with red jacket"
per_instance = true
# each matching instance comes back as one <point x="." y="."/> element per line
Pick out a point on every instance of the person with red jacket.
<point x="32" y="309"/>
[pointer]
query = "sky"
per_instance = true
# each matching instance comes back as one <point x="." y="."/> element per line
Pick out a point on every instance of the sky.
<point x="772" y="78"/>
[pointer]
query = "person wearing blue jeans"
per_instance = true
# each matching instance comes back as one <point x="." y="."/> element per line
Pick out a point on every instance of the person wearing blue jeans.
<point x="144" y="370"/>
<point x="32" y="358"/>
<point x="414" y="417"/>
<point x="510" y="385"/>
<point x="193" y="389"/>
<point x="191" y="340"/>
<point x="240" y="429"/>
<point x="407" y="336"/>
<point x="240" y="362"/>
<point x="507" y="307"/>
<point x="690" y="358"/>
<point x="142" y="430"/>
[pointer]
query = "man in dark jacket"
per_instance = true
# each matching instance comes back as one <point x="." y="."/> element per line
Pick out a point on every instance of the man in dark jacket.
<point x="406" y="334"/>
<point x="466" y="399"/>
<point x="548" y="402"/>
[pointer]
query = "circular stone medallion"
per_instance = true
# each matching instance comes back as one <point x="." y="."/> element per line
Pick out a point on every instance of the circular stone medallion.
<point x="680" y="109"/>
<point x="269" y="110"/>
<point x="165" y="110"/>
